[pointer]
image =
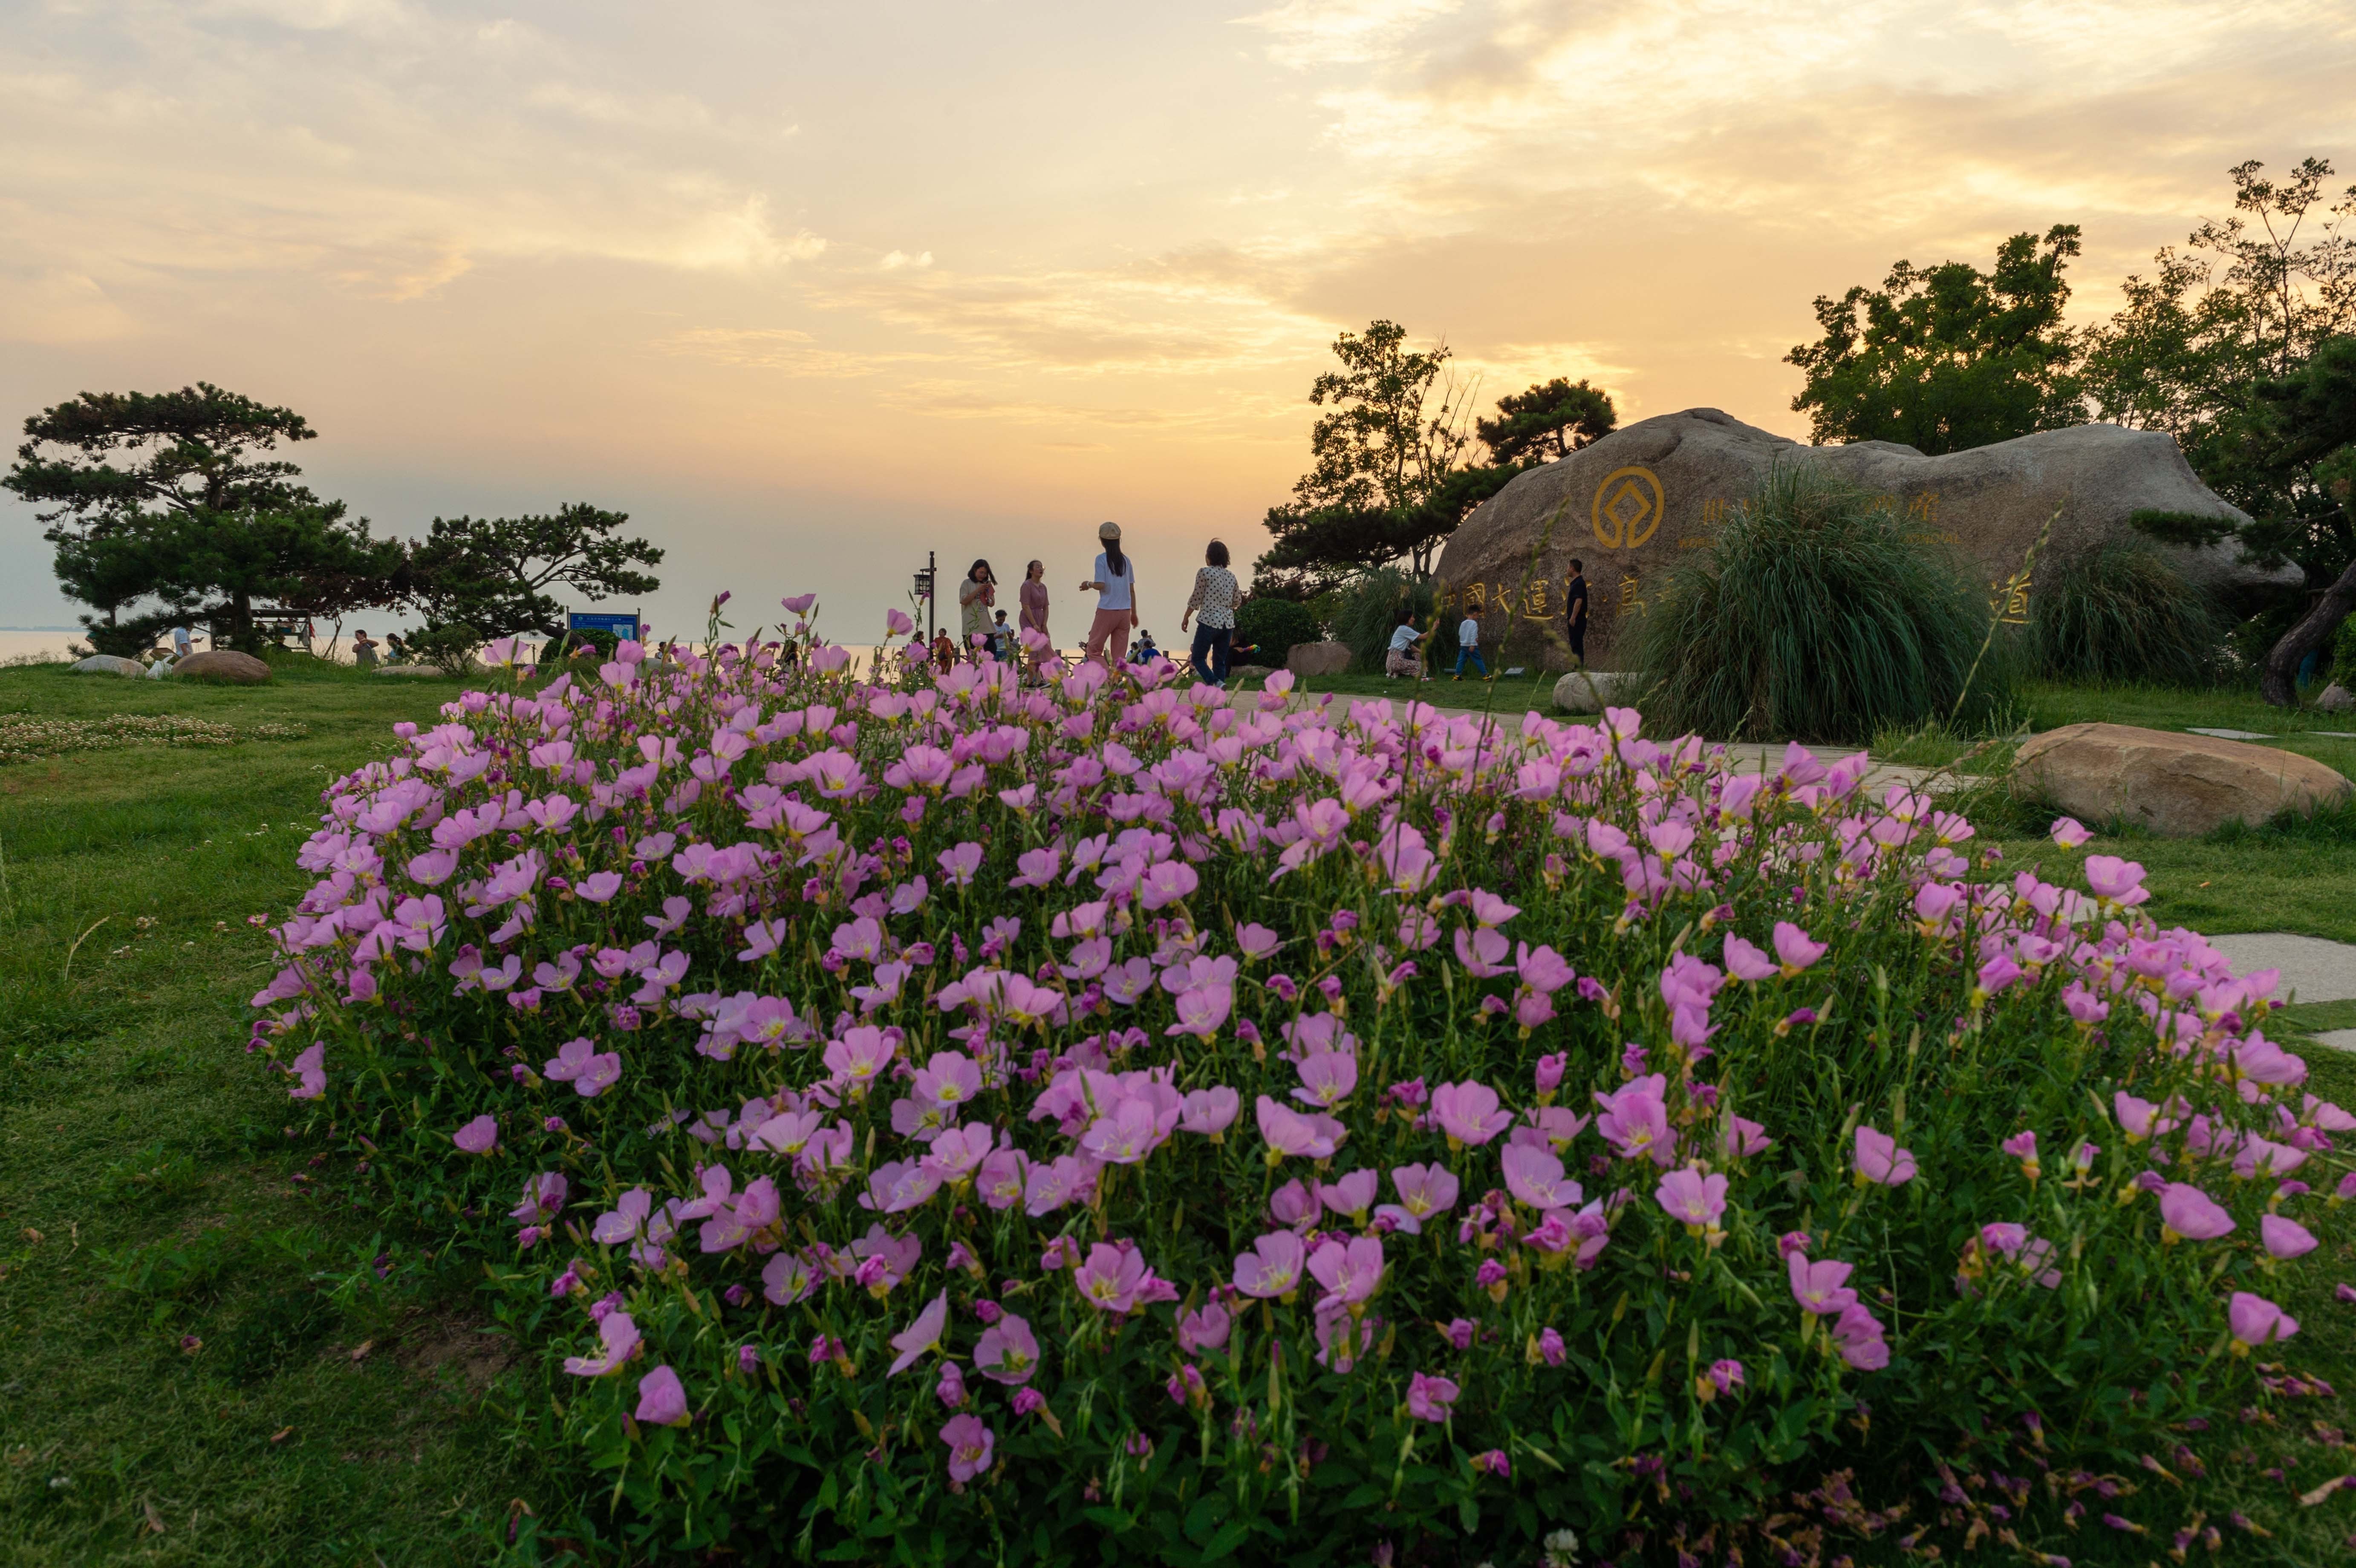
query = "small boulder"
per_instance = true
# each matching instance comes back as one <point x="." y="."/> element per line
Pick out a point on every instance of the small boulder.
<point x="1310" y="660"/>
<point x="2337" y="699"/>
<point x="1592" y="691"/>
<point x="1248" y="677"/>
<point x="2179" y="786"/>
<point x="109" y="664"/>
<point x="223" y="665"/>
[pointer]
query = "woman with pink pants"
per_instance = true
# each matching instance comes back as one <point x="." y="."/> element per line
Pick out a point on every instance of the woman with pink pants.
<point x="1115" y="582"/>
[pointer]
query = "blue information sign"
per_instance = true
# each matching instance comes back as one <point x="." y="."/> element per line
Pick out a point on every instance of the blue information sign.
<point x="626" y="626"/>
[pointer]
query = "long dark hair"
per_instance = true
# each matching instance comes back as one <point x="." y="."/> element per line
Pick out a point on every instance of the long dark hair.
<point x="978" y="566"/>
<point x="1114" y="560"/>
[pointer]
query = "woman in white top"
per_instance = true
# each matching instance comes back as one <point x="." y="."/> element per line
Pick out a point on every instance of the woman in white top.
<point x="1215" y="600"/>
<point x="1401" y="660"/>
<point x="1115" y="582"/>
<point x="976" y="595"/>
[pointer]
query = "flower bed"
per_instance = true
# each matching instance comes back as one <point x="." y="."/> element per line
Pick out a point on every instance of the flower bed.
<point x="1093" y="1122"/>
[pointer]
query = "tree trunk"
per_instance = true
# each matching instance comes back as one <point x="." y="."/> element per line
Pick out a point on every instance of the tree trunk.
<point x="2279" y="681"/>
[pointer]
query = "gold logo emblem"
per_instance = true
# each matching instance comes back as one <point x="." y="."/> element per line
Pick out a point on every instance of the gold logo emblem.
<point x="1627" y="508"/>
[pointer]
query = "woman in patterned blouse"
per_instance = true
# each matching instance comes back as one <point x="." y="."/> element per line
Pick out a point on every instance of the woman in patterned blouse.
<point x="1215" y="600"/>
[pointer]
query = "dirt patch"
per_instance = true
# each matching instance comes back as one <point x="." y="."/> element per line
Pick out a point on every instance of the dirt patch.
<point x="437" y="1345"/>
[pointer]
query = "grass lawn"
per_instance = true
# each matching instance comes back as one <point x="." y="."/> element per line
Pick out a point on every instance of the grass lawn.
<point x="198" y="1363"/>
<point x="200" y="1359"/>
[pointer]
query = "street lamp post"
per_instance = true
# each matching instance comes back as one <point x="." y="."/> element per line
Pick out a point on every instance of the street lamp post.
<point x="924" y="588"/>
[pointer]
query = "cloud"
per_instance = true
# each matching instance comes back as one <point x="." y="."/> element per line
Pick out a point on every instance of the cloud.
<point x="60" y="306"/>
<point x="1343" y="32"/>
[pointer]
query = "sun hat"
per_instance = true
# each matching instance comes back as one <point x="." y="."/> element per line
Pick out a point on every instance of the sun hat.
<point x="1109" y="531"/>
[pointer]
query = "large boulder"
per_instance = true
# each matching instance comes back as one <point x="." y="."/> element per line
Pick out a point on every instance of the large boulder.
<point x="1308" y="660"/>
<point x="109" y="664"/>
<point x="1592" y="691"/>
<point x="2171" y="784"/>
<point x="1635" y="503"/>
<point x="223" y="665"/>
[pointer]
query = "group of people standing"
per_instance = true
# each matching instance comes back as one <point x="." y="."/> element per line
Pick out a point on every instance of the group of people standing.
<point x="1113" y="580"/>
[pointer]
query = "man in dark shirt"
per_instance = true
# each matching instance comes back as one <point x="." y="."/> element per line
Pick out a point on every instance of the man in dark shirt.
<point x="1574" y="611"/>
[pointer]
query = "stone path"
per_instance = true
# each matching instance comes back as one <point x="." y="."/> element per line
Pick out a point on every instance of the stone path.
<point x="2313" y="970"/>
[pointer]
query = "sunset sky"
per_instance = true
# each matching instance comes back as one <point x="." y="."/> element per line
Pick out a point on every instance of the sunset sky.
<point x="811" y="288"/>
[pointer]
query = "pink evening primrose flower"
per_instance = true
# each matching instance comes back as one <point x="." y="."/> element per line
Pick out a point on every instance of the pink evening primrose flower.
<point x="1699" y="1201"/>
<point x="620" y="1338"/>
<point x="1880" y="1160"/>
<point x="970" y="1443"/>
<point x="1273" y="1267"/>
<point x="923" y="1335"/>
<point x="1468" y="1113"/>
<point x="1820" y="1287"/>
<point x="1350" y="1271"/>
<point x="1796" y="948"/>
<point x="2188" y="1213"/>
<point x="1430" y="1398"/>
<point x="480" y="1135"/>
<point x="1423" y="1190"/>
<point x="1205" y="1328"/>
<point x="662" y="1400"/>
<point x="1287" y="1133"/>
<point x="2256" y="1321"/>
<point x="1009" y="1352"/>
<point x="2284" y="1238"/>
<point x="1746" y="961"/>
<point x="2115" y="880"/>
<point x="2069" y="832"/>
<point x="1113" y="1278"/>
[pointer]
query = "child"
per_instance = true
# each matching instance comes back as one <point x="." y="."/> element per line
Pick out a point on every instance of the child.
<point x="1468" y="643"/>
<point x="1001" y="639"/>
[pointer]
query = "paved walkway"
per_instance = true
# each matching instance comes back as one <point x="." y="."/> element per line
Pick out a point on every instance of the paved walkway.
<point x="2313" y="970"/>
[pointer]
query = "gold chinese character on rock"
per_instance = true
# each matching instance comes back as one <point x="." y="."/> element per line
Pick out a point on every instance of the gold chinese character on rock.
<point x="1534" y="605"/>
<point x="1924" y="508"/>
<point x="1475" y="595"/>
<point x="1628" y="587"/>
<point x="2012" y="597"/>
<point x="1714" y="512"/>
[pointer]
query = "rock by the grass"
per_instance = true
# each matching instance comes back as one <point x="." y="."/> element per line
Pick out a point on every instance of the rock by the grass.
<point x="2175" y="785"/>
<point x="2337" y="699"/>
<point x="109" y="664"/>
<point x="1248" y="677"/>
<point x="1636" y="503"/>
<point x="424" y="669"/>
<point x="223" y="665"/>
<point x="1592" y="691"/>
<point x="1310" y="660"/>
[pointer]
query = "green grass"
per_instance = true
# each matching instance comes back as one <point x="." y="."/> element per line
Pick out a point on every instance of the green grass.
<point x="184" y="1302"/>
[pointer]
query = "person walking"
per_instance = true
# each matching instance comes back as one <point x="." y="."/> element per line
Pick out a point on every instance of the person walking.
<point x="1115" y="582"/>
<point x="1468" y="643"/>
<point x="976" y="594"/>
<point x="363" y="650"/>
<point x="1574" y="611"/>
<point x="1033" y="600"/>
<point x="1401" y="660"/>
<point x="1215" y="600"/>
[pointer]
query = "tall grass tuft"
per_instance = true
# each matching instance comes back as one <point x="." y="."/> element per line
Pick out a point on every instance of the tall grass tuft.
<point x="1814" y="618"/>
<point x="1368" y="608"/>
<point x="2120" y="611"/>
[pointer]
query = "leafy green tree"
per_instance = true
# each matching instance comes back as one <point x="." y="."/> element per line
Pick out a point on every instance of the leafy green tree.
<point x="1394" y="433"/>
<point x="171" y="497"/>
<point x="2237" y="346"/>
<point x="1947" y="358"/>
<point x="495" y="575"/>
<point x="1553" y="419"/>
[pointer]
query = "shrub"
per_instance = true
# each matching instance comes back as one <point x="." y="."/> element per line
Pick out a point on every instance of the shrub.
<point x="2120" y="611"/>
<point x="449" y="646"/>
<point x="1087" y="1123"/>
<point x="1813" y="617"/>
<point x="1274" y="626"/>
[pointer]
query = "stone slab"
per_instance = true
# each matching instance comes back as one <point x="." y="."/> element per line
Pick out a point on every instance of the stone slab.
<point x="2337" y="1039"/>
<point x="2313" y="969"/>
<point x="2229" y="734"/>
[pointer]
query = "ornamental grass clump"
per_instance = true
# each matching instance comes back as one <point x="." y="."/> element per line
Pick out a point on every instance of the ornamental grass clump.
<point x="2120" y="611"/>
<point x="1813" y="615"/>
<point x="1091" y="1122"/>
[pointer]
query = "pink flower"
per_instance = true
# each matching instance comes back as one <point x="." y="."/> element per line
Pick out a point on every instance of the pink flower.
<point x="1547" y="1074"/>
<point x="1746" y="961"/>
<point x="2284" y="1238"/>
<point x="1636" y="1124"/>
<point x="2138" y="1118"/>
<point x="662" y="1400"/>
<point x="970" y="1443"/>
<point x="2256" y="1321"/>
<point x="1205" y="1328"/>
<point x="1494" y="1463"/>
<point x="1351" y="1196"/>
<point x="2189" y="1213"/>
<point x="311" y="1071"/>
<point x="1820" y="1287"/>
<point x="2069" y="832"/>
<point x="1350" y="1271"/>
<point x="1697" y="1200"/>
<point x="1009" y="1352"/>
<point x="1429" y="1398"/>
<point x="1726" y="1375"/>
<point x="951" y="1388"/>
<point x="1113" y="1278"/>
<point x="923" y="1335"/>
<point x="2115" y="880"/>
<point x="1859" y="1334"/>
<point x="1327" y="1077"/>
<point x="1741" y="1136"/>
<point x="1536" y="1178"/>
<point x="799" y="604"/>
<point x="1312" y="1136"/>
<point x="1794" y="948"/>
<point x="1209" y="1111"/>
<point x="621" y="1340"/>
<point x="1880" y="1160"/>
<point x="480" y="1135"/>
<point x="2022" y="1146"/>
<point x="1550" y="1346"/>
<point x="1273" y="1267"/>
<point x="897" y="623"/>
<point x="1424" y="1190"/>
<point x="579" y="1063"/>
<point x="1468" y="1113"/>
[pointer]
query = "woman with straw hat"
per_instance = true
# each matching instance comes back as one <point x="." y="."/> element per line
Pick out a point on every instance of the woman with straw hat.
<point x="1115" y="582"/>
